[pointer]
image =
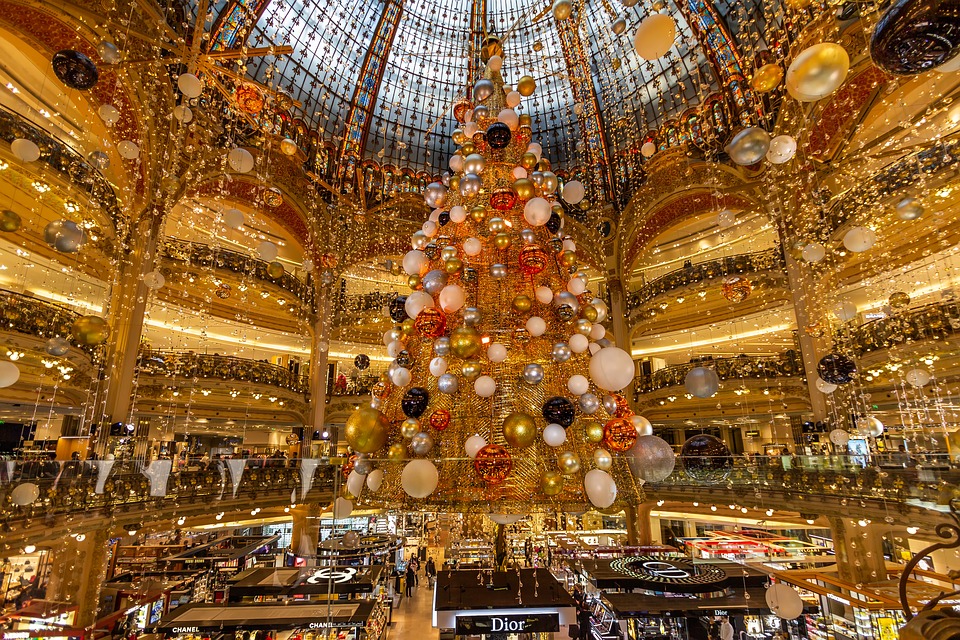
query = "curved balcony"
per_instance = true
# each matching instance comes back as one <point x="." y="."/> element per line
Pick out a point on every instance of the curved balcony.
<point x="362" y="308"/>
<point x="189" y="365"/>
<point x="786" y="365"/>
<point x="768" y="260"/>
<point x="930" y="322"/>
<point x="38" y="318"/>
<point x="203" y="255"/>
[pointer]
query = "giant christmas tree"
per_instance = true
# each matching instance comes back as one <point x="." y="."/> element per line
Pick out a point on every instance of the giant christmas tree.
<point x="503" y="393"/>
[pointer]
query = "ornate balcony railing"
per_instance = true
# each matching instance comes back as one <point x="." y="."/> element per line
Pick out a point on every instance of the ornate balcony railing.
<point x="176" y="364"/>
<point x="361" y="308"/>
<point x="31" y="316"/>
<point x="203" y="255"/>
<point x="786" y="365"/>
<point x="359" y="385"/>
<point x="767" y="260"/>
<point x="929" y="322"/>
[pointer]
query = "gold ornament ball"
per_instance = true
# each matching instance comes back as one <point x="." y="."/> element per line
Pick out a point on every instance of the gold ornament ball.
<point x="471" y="371"/>
<point x="90" y="330"/>
<point x="408" y="327"/>
<point x="526" y="86"/>
<point x="603" y="459"/>
<point x="275" y="270"/>
<point x="520" y="430"/>
<point x="589" y="312"/>
<point x="584" y="327"/>
<point x="557" y="209"/>
<point x="468" y="148"/>
<point x="414" y="282"/>
<point x="522" y="303"/>
<point x="454" y="184"/>
<point x="448" y="252"/>
<point x="526" y="120"/>
<point x="525" y="189"/>
<point x="366" y="430"/>
<point x="551" y="483"/>
<point x="502" y="241"/>
<point x="562" y="9"/>
<point x="569" y="463"/>
<point x="899" y="300"/>
<point x="593" y="431"/>
<point x="496" y="225"/>
<point x="567" y="258"/>
<point x="465" y="342"/>
<point x="767" y="78"/>
<point x="478" y="213"/>
<point x="459" y="137"/>
<point x="453" y="265"/>
<point x="543" y="165"/>
<point x="409" y="428"/>
<point x="9" y="221"/>
<point x="396" y="452"/>
<point x="550" y="182"/>
<point x="584" y="205"/>
<point x="528" y="161"/>
<point x="395" y="269"/>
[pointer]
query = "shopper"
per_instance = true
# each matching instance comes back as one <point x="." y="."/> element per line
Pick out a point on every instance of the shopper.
<point x="726" y="629"/>
<point x="430" y="570"/>
<point x="411" y="576"/>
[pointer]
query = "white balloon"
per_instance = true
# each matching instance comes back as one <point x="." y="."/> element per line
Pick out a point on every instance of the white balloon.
<point x="536" y="326"/>
<point x="342" y="508"/>
<point x="839" y="437"/>
<point x="128" y="150"/>
<point x="374" y="480"/>
<point x="505" y="518"/>
<point x="355" y="482"/>
<point x="240" y="160"/>
<point x="510" y="118"/>
<point x="451" y="298"/>
<point x="573" y="192"/>
<point x="576" y="286"/>
<point x="600" y="488"/>
<point x="25" y="150"/>
<point x="394" y="348"/>
<point x="267" y="251"/>
<point x="109" y="114"/>
<point x="417" y="302"/>
<point x="535" y="149"/>
<point x="519" y="173"/>
<point x="496" y="352"/>
<point x="419" y="478"/>
<point x="655" y="36"/>
<point x="578" y="384"/>
<point x="429" y="228"/>
<point x="456" y="163"/>
<point x="472" y="246"/>
<point x="485" y="386"/>
<point x="642" y="425"/>
<point x="648" y="149"/>
<point x="578" y="343"/>
<point x="401" y="376"/>
<point x="9" y="374"/>
<point x="438" y="367"/>
<point x="183" y="113"/>
<point x="782" y="149"/>
<point x="470" y="129"/>
<point x="154" y="280"/>
<point x="457" y="214"/>
<point x="859" y="239"/>
<point x="845" y="310"/>
<point x="569" y="245"/>
<point x="918" y="377"/>
<point x="784" y="601"/>
<point x="814" y="252"/>
<point x="24" y="494"/>
<point x="190" y="85"/>
<point x="554" y="435"/>
<point x="612" y="369"/>
<point x="413" y="262"/>
<point x="513" y="99"/>
<point x="726" y="219"/>
<point x="233" y="218"/>
<point x="473" y="445"/>
<point x="495" y="63"/>
<point x="597" y="331"/>
<point x="823" y="386"/>
<point x="544" y="295"/>
<point x="537" y="211"/>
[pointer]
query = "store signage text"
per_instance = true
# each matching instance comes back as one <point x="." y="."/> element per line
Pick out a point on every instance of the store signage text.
<point x="185" y="630"/>
<point x="337" y="575"/>
<point x="665" y="570"/>
<point x="333" y="625"/>
<point x="479" y="625"/>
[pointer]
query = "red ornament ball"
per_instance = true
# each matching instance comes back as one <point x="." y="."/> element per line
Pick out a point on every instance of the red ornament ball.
<point x="440" y="419"/>
<point x="619" y="435"/>
<point x="533" y="260"/>
<point x="431" y="323"/>
<point x="623" y="409"/>
<point x="503" y="199"/>
<point x="493" y="464"/>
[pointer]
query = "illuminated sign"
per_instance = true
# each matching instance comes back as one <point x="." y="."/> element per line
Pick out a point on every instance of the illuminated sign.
<point x="338" y="575"/>
<point x="185" y="630"/>
<point x="658" y="572"/>
<point x="482" y="625"/>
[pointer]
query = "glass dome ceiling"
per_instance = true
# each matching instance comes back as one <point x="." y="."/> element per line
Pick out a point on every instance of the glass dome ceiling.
<point x="393" y="69"/>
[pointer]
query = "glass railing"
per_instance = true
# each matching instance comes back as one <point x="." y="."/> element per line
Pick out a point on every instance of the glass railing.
<point x="930" y="322"/>
<point x="786" y="365"/>
<point x="203" y="255"/>
<point x="31" y="316"/>
<point x="189" y="365"/>
<point x="770" y="259"/>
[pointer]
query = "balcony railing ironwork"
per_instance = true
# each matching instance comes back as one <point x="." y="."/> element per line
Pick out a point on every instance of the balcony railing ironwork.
<point x="930" y="322"/>
<point x="189" y="365"/>
<point x="788" y="364"/>
<point x="22" y="313"/>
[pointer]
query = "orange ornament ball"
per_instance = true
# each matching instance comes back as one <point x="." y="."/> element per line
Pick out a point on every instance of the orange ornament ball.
<point x="533" y="260"/>
<point x="249" y="98"/>
<point x="623" y="409"/>
<point x="619" y="435"/>
<point x="431" y="323"/>
<point x="440" y="419"/>
<point x="460" y="109"/>
<point x="493" y="464"/>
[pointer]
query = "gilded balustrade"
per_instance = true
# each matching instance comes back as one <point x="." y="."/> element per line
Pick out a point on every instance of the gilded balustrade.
<point x="930" y="322"/>
<point x="31" y="316"/>
<point x="188" y="365"/>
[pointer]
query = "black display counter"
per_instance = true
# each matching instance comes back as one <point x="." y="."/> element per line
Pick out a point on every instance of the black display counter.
<point x="200" y="619"/>
<point x="303" y="582"/>
<point x="669" y="575"/>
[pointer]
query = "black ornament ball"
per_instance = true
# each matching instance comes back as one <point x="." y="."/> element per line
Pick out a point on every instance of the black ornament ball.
<point x="914" y="36"/>
<point x="362" y="361"/>
<point x="706" y="458"/>
<point x="398" y="312"/>
<point x="414" y="402"/>
<point x="74" y="69"/>
<point x="404" y="359"/>
<point x="443" y="218"/>
<point x="836" y="368"/>
<point x="498" y="135"/>
<point x="554" y="223"/>
<point x="559" y="410"/>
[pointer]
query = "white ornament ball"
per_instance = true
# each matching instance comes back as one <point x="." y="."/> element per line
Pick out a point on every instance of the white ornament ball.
<point x="451" y="298"/>
<point x="438" y="367"/>
<point x="128" y="150"/>
<point x="495" y="63"/>
<point x="9" y="374"/>
<point x="726" y="219"/>
<point x="401" y="376"/>
<point x="342" y="508"/>
<point x="240" y="160"/>
<point x="814" y="252"/>
<point x="473" y="445"/>
<point x="355" y="482"/>
<point x="544" y="295"/>
<point x="457" y="214"/>
<point x="419" y="478"/>
<point x="918" y="377"/>
<point x="578" y="384"/>
<point x="823" y="386"/>
<point x="513" y="99"/>
<point x="510" y="118"/>
<point x="374" y="480"/>
<point x="154" y="280"/>
<point x="25" y="150"/>
<point x="267" y="251"/>
<point x="472" y="246"/>
<point x="417" y="302"/>
<point x="600" y="488"/>
<point x="859" y="239"/>
<point x="414" y="261"/>
<point x="109" y="114"/>
<point x="578" y="343"/>
<point x="24" y="494"/>
<point x="190" y="85"/>
<point x="573" y="192"/>
<point x="784" y="601"/>
<point x="597" y="331"/>
<point x="537" y="211"/>
<point x="576" y="286"/>
<point x="536" y="326"/>
<point x="496" y="352"/>
<point x="535" y="149"/>
<point x="782" y="149"/>
<point x="233" y="218"/>
<point x="183" y="113"/>
<point x="554" y="435"/>
<point x="642" y="425"/>
<point x="648" y="149"/>
<point x="612" y="369"/>
<point x="485" y="386"/>
<point x="456" y="163"/>
<point x="839" y="437"/>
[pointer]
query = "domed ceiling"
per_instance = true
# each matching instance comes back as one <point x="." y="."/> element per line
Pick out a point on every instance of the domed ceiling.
<point x="379" y="77"/>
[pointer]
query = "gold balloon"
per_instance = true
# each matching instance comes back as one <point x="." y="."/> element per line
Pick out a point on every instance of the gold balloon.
<point x="408" y="327"/>
<point x="453" y="265"/>
<point x="551" y="483"/>
<point x="584" y="205"/>
<point x="478" y="213"/>
<point x="395" y="269"/>
<point x="588" y="312"/>
<point x="543" y="165"/>
<point x="468" y="148"/>
<point x="569" y="463"/>
<point x="366" y="430"/>
<point x="471" y="371"/>
<point x="562" y="9"/>
<point x="526" y="86"/>
<point x="593" y="431"/>
<point x="465" y="342"/>
<point x="528" y="161"/>
<point x="502" y="241"/>
<point x="413" y="282"/>
<point x="522" y="303"/>
<point x="766" y="78"/>
<point x="526" y="120"/>
<point x="396" y="452"/>
<point x="519" y="430"/>
<point x="459" y="137"/>
<point x="455" y="184"/>
<point x="90" y="330"/>
<point x="567" y="258"/>
<point x="409" y="428"/>
<point x="525" y="188"/>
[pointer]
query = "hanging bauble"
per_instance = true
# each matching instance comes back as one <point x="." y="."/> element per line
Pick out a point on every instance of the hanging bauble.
<point x="414" y="402"/>
<point x="9" y="221"/>
<point x="496" y="352"/>
<point x="362" y="361"/>
<point x="24" y="494"/>
<point x="532" y="373"/>
<point x="706" y="458"/>
<point x="498" y="135"/>
<point x="817" y="71"/>
<point x="433" y="281"/>
<point x="859" y="239"/>
<point x="568" y="462"/>
<point x="419" y="478"/>
<point x="612" y="369"/>
<point x="434" y="195"/>
<point x="448" y="383"/>
<point x="533" y="260"/>
<point x="484" y="386"/>
<point x="600" y="488"/>
<point x="813" y="252"/>
<point x="493" y="464"/>
<point x="655" y="36"/>
<point x="735" y="288"/>
<point x="25" y="150"/>
<point x="417" y="302"/>
<point x="503" y="199"/>
<point x="240" y="160"/>
<point x="651" y="459"/>
<point x="108" y="52"/>
<point x="75" y="69"/>
<point x="526" y="86"/>
<point x="451" y="298"/>
<point x="9" y="374"/>
<point x="288" y="147"/>
<point x="869" y="426"/>
<point x="567" y="307"/>
<point x="183" y="113"/>
<point x="98" y="159"/>
<point x="267" y="251"/>
<point x="440" y="419"/>
<point x="561" y="353"/>
<point x="767" y="78"/>
<point x="701" y="382"/>
<point x="519" y="430"/>
<point x="918" y="377"/>
<point x="839" y="437"/>
<point x="619" y="434"/>
<point x="899" y="300"/>
<point x="275" y="270"/>
<point x="784" y="601"/>
<point x="551" y="483"/>
<point x="249" y="98"/>
<point x="909" y="209"/>
<point x="618" y="26"/>
<point x="562" y="9"/>
<point x="782" y="149"/>
<point x="465" y="342"/>
<point x="128" y="150"/>
<point x="109" y="114"/>
<point x="397" y="311"/>
<point x="836" y="368"/>
<point x="749" y="146"/>
<point x="421" y="443"/>
<point x="823" y="386"/>
<point x="154" y="280"/>
<point x="483" y="90"/>
<point x="89" y="330"/>
<point x="593" y="431"/>
<point x="559" y="410"/>
<point x="57" y="346"/>
<point x="366" y="430"/>
<point x="431" y="323"/>
<point x="65" y="236"/>
<point x="537" y="211"/>
<point x="914" y="36"/>
<point x="460" y="109"/>
<point x="573" y="192"/>
<point x="602" y="459"/>
<point x="474" y="444"/>
<point x="648" y="149"/>
<point x="190" y="85"/>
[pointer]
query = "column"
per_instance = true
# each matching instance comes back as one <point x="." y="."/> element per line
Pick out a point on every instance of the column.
<point x="859" y="551"/>
<point x="78" y="570"/>
<point x="618" y="313"/>
<point x="640" y="524"/>
<point x="306" y="531"/>
<point x="319" y="356"/>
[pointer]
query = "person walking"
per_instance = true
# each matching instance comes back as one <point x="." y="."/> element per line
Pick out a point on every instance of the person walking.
<point x="430" y="570"/>
<point x="411" y="576"/>
<point x="726" y="629"/>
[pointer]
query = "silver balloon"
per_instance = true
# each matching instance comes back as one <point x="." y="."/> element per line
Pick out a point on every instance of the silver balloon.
<point x="108" y="52"/>
<point x="909" y="209"/>
<point x="498" y="271"/>
<point x="651" y="459"/>
<point x="418" y="242"/>
<point x="64" y="235"/>
<point x="445" y="178"/>
<point x="532" y="373"/>
<point x="471" y="316"/>
<point x="470" y="185"/>
<point x="702" y="382"/>
<point x="749" y="146"/>
<point x="434" y="195"/>
<point x="448" y="383"/>
<point x="422" y="443"/>
<point x="57" y="346"/>
<point x="480" y="112"/>
<point x="441" y="346"/>
<point x="604" y="343"/>
<point x="528" y="236"/>
<point x="481" y="91"/>
<point x="589" y="404"/>
<point x="474" y="163"/>
<point x="51" y="231"/>
<point x="363" y="465"/>
<point x="601" y="308"/>
<point x="561" y="352"/>
<point x="434" y="281"/>
<point x="610" y="404"/>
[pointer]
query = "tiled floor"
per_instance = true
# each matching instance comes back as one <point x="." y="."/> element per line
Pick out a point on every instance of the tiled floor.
<point x="413" y="617"/>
